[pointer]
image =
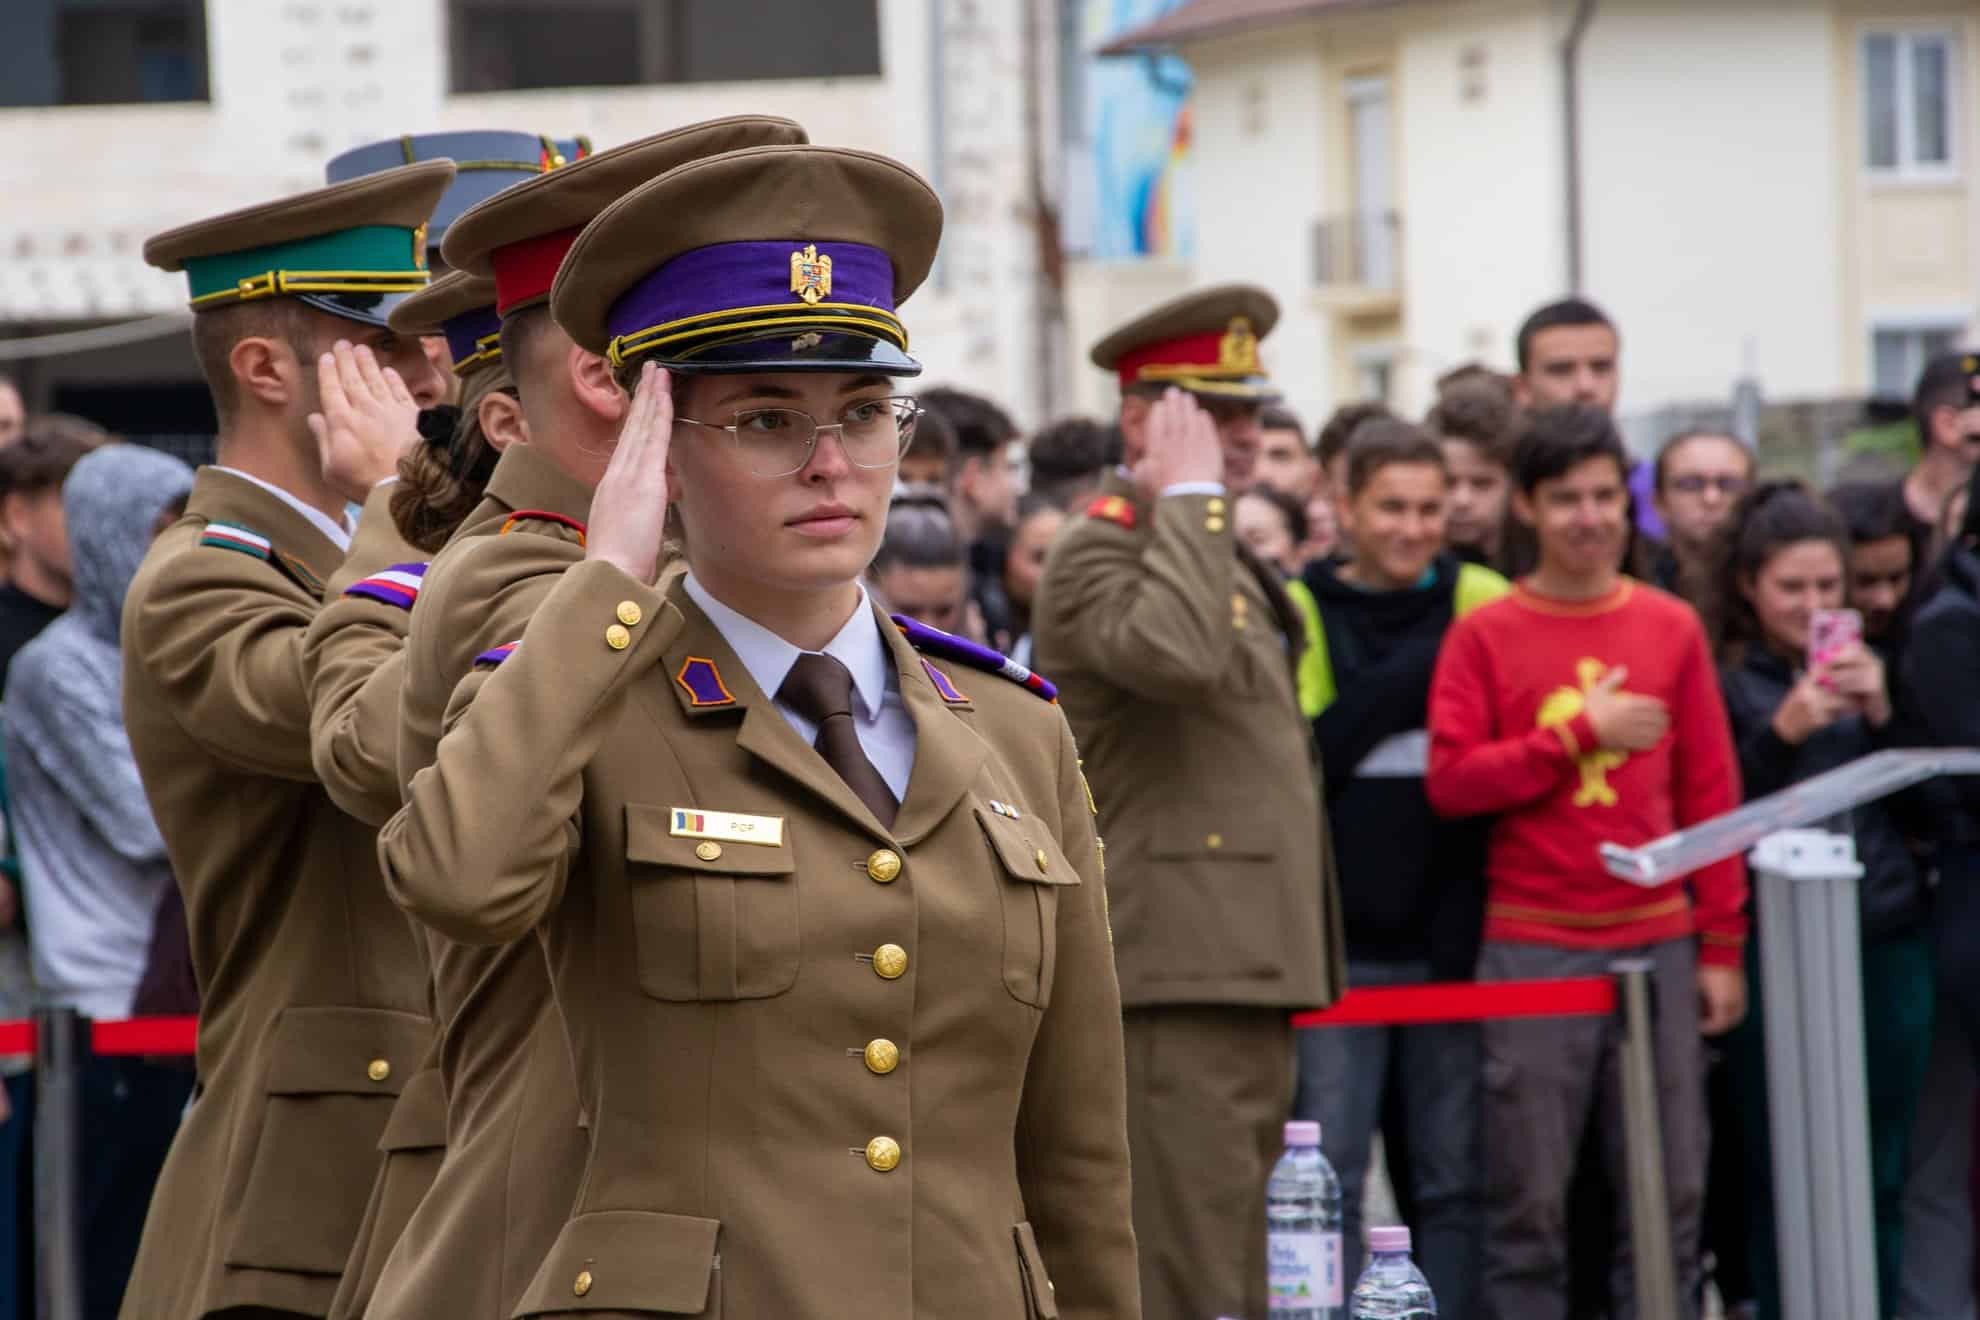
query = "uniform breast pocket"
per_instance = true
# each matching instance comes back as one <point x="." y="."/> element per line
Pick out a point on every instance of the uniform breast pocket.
<point x="712" y="920"/>
<point x="1033" y="871"/>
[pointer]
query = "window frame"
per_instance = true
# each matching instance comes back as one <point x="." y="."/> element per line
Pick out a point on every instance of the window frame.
<point x="1908" y="169"/>
<point x="1950" y="318"/>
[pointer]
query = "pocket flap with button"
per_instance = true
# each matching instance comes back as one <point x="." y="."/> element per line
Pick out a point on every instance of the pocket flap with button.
<point x="626" y="1261"/>
<point x="1027" y="849"/>
<point x="1209" y="837"/>
<point x="419" y="1118"/>
<point x="345" y="1051"/>
<point x="649" y="840"/>
<point x="1044" y="1304"/>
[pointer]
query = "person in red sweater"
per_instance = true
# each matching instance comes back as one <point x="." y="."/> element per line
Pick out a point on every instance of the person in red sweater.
<point x="1583" y="709"/>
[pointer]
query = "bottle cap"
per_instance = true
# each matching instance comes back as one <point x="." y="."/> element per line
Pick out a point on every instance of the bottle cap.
<point x="1389" y="1238"/>
<point x="1300" y="1133"/>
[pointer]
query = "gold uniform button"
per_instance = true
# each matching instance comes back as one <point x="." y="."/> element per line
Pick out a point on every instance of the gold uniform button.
<point x="1044" y="863"/>
<point x="890" y="962"/>
<point x="617" y="637"/>
<point x="1214" y="841"/>
<point x="583" y="1283"/>
<point x="379" y="1070"/>
<point x="1213" y="524"/>
<point x="1216" y="504"/>
<point x="882" y="1056"/>
<point x="629" y="613"/>
<point x="884" y="866"/>
<point x="883" y="1154"/>
<point x="707" y="851"/>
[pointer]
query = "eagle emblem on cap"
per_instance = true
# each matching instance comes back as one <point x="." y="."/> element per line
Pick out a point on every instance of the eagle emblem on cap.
<point x="811" y="274"/>
<point x="1238" y="349"/>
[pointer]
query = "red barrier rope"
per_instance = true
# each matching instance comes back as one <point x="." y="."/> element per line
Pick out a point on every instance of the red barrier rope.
<point x="1373" y="1006"/>
<point x="1466" y="1001"/>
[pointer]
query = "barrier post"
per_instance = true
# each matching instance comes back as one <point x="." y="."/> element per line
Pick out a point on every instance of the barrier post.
<point x="61" y="1046"/>
<point x="1643" y="1143"/>
<point x="1811" y="974"/>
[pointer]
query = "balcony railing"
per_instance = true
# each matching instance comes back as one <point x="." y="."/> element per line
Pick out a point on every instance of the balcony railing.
<point x="1361" y="250"/>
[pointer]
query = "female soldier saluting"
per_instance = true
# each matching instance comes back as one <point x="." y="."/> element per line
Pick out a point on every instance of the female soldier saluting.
<point x="821" y="900"/>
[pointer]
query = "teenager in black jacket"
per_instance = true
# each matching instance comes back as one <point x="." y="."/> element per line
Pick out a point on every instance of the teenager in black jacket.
<point x="1794" y="716"/>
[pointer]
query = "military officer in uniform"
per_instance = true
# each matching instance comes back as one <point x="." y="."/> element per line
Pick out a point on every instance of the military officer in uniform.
<point x="314" y="1007"/>
<point x="353" y="662"/>
<point x="513" y="1119"/>
<point x="819" y="891"/>
<point x="1174" y="650"/>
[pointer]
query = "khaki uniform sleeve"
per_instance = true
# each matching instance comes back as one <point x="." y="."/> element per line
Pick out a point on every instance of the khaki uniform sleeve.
<point x="481" y="849"/>
<point x="1153" y="612"/>
<point x="222" y="633"/>
<point x="1072" y="1122"/>
<point x="354" y="664"/>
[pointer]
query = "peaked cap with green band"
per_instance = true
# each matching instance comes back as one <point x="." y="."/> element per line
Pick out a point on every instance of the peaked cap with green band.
<point x="353" y="250"/>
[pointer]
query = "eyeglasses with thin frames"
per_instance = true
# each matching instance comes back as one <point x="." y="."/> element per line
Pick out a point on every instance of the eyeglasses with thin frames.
<point x="775" y="442"/>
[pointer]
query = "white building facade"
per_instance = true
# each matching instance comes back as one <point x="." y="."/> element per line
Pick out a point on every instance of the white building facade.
<point x="1781" y="189"/>
<point x="229" y="102"/>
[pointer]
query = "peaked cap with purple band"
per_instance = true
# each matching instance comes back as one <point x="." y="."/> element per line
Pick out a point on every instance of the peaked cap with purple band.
<point x="933" y="641"/>
<point x="781" y="258"/>
<point x="461" y="307"/>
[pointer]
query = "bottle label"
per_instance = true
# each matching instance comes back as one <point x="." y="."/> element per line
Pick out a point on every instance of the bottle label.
<point x="1304" y="1270"/>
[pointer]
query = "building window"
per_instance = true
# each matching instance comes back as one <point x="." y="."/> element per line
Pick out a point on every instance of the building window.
<point x="1898" y="353"/>
<point x="102" y="52"/>
<point x="506" y="45"/>
<point x="1908" y="111"/>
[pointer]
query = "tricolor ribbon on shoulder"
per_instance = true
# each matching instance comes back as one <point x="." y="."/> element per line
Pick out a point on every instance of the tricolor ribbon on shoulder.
<point x="229" y="536"/>
<point x="497" y="654"/>
<point x="397" y="585"/>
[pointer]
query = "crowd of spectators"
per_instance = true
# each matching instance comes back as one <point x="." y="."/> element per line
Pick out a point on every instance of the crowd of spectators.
<point x="1502" y="668"/>
<point x="1648" y="646"/>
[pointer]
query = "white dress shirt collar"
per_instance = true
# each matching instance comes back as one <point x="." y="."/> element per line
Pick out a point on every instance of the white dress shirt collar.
<point x="768" y="657"/>
<point x="338" y="532"/>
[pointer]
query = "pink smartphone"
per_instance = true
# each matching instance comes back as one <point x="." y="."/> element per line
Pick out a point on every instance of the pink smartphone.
<point x="1830" y="633"/>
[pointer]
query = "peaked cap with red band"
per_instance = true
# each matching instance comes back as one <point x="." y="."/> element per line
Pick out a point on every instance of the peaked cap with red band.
<point x="520" y="235"/>
<point x="1205" y="342"/>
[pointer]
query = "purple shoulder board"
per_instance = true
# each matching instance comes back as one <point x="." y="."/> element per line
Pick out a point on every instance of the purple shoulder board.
<point x="933" y="641"/>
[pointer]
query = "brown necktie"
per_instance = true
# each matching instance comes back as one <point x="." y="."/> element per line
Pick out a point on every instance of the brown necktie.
<point x="821" y="689"/>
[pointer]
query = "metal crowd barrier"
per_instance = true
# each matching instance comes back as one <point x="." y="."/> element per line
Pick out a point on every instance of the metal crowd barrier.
<point x="1628" y="992"/>
<point x="1812" y="978"/>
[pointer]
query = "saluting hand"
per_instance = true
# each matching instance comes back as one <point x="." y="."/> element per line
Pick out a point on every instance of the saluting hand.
<point x="629" y="508"/>
<point x="369" y="420"/>
<point x="1182" y="446"/>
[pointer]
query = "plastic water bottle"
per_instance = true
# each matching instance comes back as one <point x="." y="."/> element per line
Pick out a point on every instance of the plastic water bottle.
<point x="1303" y="1232"/>
<point x="1392" y="1288"/>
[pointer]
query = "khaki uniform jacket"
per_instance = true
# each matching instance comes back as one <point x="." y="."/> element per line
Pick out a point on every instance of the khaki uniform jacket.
<point x="313" y="1003"/>
<point x="515" y="1138"/>
<point x="862" y="1072"/>
<point x="1172" y="658"/>
<point x="353" y="662"/>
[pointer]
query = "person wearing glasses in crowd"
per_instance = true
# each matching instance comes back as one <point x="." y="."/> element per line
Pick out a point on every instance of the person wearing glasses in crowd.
<point x="1699" y="477"/>
<point x="819" y="891"/>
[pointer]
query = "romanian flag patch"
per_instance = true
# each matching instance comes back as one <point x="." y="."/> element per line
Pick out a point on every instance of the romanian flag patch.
<point x="497" y="654"/>
<point x="230" y="536"/>
<point x="1113" y="509"/>
<point x="397" y="585"/>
